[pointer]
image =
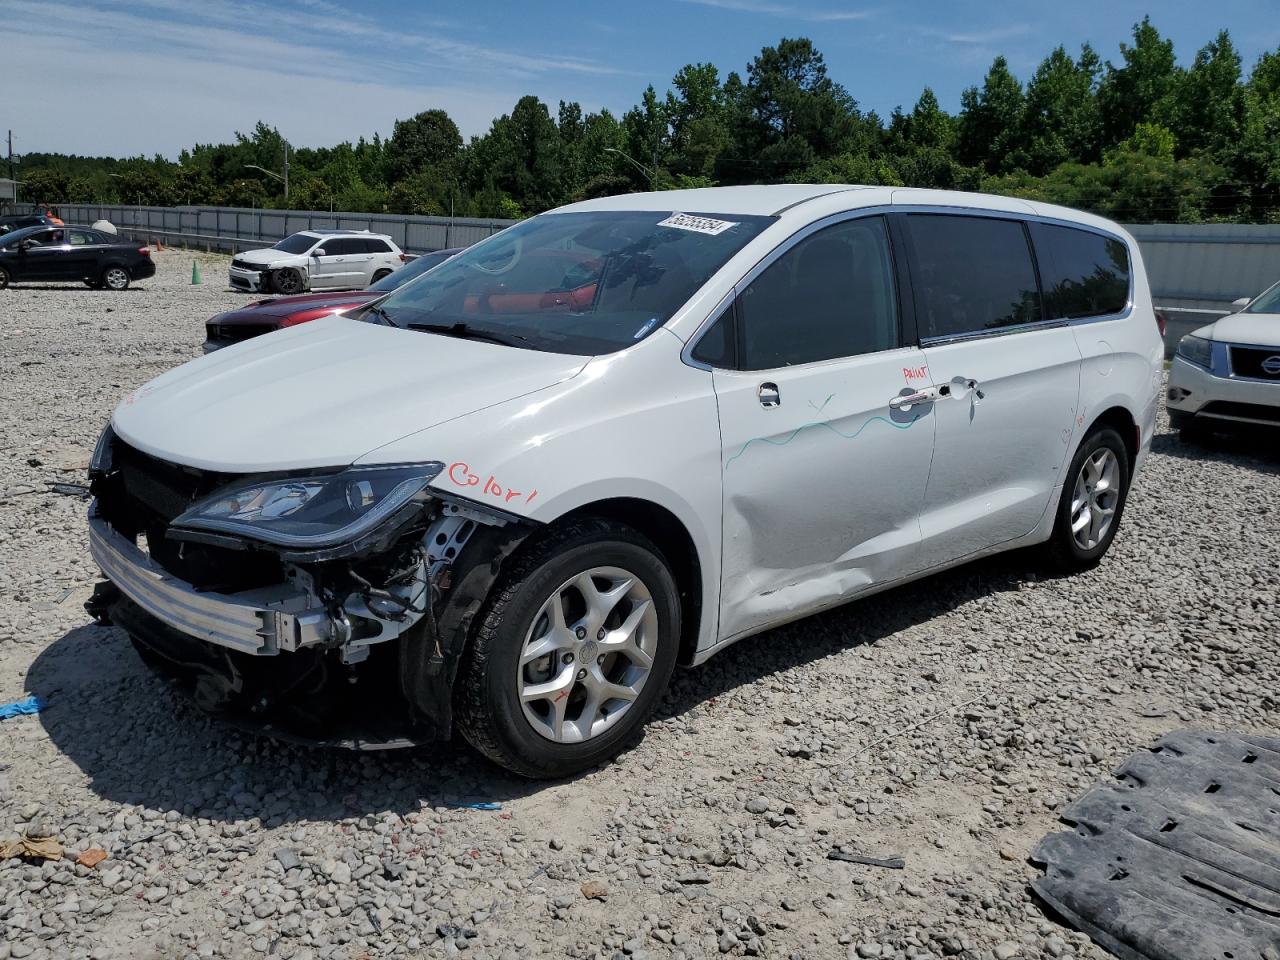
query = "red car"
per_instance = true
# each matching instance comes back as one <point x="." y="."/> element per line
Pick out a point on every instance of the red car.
<point x="276" y="313"/>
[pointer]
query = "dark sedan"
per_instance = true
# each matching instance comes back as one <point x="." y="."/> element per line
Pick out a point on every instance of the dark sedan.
<point x="17" y="222"/>
<point x="276" y="313"/>
<point x="53" y="254"/>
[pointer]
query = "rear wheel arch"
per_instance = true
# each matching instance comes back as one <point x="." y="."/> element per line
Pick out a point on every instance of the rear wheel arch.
<point x="1122" y="422"/>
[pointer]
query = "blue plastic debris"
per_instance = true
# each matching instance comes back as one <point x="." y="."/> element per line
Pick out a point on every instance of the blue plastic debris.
<point x="20" y="707"/>
<point x="479" y="805"/>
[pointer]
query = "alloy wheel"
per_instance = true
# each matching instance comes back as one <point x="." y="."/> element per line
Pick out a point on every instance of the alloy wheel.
<point x="1095" y="498"/>
<point x="115" y="278"/>
<point x="587" y="654"/>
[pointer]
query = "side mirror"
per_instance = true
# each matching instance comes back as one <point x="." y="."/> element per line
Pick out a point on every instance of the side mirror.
<point x="1241" y="303"/>
<point x="318" y="252"/>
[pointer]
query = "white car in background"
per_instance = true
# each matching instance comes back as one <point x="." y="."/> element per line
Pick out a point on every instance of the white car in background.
<point x="513" y="494"/>
<point x="317" y="260"/>
<point x="1228" y="373"/>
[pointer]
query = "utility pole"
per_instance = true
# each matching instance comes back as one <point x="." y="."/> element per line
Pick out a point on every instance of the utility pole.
<point x="286" y="169"/>
<point x="11" y="177"/>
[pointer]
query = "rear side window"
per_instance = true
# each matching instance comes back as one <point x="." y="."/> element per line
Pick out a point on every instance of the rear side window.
<point x="83" y="238"/>
<point x="1084" y="274"/>
<point x="831" y="295"/>
<point x="971" y="274"/>
<point x="376" y="246"/>
<point x="342" y="247"/>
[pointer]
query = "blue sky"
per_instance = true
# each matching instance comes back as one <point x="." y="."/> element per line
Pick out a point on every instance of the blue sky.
<point x="153" y="76"/>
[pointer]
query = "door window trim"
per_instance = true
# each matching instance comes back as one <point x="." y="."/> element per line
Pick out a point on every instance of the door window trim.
<point x="763" y="264"/>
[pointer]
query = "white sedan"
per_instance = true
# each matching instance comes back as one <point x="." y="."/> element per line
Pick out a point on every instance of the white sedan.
<point x="1228" y="373"/>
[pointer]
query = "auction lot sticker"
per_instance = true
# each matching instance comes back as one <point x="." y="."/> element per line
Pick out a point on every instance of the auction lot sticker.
<point x="683" y="221"/>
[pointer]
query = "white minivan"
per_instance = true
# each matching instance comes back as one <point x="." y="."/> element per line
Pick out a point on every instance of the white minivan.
<point x="618" y="436"/>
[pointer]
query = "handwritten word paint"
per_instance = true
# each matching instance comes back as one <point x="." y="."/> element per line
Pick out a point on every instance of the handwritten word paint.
<point x="461" y="475"/>
<point x="916" y="373"/>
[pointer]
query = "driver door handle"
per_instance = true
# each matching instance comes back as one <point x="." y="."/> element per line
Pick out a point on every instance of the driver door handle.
<point x="907" y="400"/>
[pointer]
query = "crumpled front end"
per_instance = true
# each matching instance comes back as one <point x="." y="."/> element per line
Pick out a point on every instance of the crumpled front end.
<point x="354" y="643"/>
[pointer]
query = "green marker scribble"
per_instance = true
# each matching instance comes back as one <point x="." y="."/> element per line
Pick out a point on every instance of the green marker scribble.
<point x="820" y="423"/>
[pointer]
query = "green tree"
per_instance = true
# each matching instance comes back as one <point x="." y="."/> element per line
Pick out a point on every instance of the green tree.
<point x="1210" y="102"/>
<point x="1143" y="88"/>
<point x="987" y="134"/>
<point x="1061" y="120"/>
<point x="698" y="113"/>
<point x="519" y="157"/>
<point x="426" y="141"/>
<point x="46" y="185"/>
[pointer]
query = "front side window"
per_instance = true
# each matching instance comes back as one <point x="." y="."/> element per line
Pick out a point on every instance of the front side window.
<point x="1084" y="274"/>
<point x="831" y="295"/>
<point x="971" y="274"/>
<point x="297" y="243"/>
<point x="586" y="283"/>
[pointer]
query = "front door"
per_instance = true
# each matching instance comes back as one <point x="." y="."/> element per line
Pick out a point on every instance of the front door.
<point x="44" y="258"/>
<point x="1011" y="379"/>
<point x="824" y="466"/>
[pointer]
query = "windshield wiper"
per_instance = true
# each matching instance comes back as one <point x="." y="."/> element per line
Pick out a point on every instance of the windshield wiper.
<point x="467" y="332"/>
<point x="377" y="311"/>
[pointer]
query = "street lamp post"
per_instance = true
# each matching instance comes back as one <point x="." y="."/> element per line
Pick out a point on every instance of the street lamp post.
<point x="639" y="166"/>
<point x="273" y="174"/>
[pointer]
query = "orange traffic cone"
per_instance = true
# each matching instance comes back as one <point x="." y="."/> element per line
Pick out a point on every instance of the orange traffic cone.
<point x="159" y="246"/>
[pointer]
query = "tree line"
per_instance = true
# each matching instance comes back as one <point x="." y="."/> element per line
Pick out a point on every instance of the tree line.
<point x="1138" y="139"/>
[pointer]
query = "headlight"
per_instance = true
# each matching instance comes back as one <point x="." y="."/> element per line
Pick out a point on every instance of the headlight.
<point x="100" y="462"/>
<point x="1196" y="349"/>
<point x="315" y="511"/>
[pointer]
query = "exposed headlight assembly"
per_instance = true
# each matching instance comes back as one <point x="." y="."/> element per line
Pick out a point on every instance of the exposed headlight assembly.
<point x="1196" y="349"/>
<point x="311" y="512"/>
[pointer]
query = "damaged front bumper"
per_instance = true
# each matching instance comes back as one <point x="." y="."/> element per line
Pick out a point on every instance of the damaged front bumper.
<point x="262" y="622"/>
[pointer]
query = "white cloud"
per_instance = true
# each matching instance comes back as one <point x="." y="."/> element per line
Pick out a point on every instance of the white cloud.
<point x="158" y="75"/>
<point x="784" y="10"/>
<point x="983" y="38"/>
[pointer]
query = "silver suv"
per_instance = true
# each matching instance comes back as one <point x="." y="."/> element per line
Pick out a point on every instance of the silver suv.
<point x="318" y="260"/>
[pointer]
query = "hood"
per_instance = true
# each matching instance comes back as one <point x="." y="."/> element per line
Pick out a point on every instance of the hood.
<point x="324" y="394"/>
<point x="268" y="255"/>
<point x="1262" y="329"/>
<point x="285" y="306"/>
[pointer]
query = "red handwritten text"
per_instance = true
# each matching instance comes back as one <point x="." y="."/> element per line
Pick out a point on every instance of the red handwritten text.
<point x="916" y="373"/>
<point x="461" y="475"/>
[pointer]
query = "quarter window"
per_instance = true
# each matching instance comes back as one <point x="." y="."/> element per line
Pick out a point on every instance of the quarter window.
<point x="831" y="295"/>
<point x="971" y="274"/>
<point x="1084" y="274"/>
<point x="716" y="347"/>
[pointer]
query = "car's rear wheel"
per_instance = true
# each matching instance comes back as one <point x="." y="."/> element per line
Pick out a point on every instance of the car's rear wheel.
<point x="4" y="278"/>
<point x="378" y="275"/>
<point x="115" y="278"/>
<point x="574" y="651"/>
<point x="288" y="281"/>
<point x="1092" y="502"/>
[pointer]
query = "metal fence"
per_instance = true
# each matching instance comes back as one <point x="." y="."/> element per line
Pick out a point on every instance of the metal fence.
<point x="228" y="229"/>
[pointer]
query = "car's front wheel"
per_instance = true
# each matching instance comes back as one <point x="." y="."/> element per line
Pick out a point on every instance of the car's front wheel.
<point x="1092" y="502"/>
<point x="115" y="278"/>
<point x="576" y="647"/>
<point x="288" y="281"/>
<point x="4" y="278"/>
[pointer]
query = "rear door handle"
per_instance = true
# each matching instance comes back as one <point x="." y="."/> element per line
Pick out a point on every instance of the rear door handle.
<point x="769" y="395"/>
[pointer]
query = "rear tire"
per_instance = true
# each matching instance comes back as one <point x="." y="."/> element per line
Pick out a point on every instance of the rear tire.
<point x="1092" y="503"/>
<point x="4" y="278"/>
<point x="288" y="281"/>
<point x="378" y="275"/>
<point x="115" y="278"/>
<point x="602" y="662"/>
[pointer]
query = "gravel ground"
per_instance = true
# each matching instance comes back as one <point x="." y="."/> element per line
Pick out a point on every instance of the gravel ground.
<point x="944" y="723"/>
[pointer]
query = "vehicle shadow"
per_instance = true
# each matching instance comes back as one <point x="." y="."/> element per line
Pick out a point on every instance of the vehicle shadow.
<point x="138" y="741"/>
<point x="1252" y="448"/>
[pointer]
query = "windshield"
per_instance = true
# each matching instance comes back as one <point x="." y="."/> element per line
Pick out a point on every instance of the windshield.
<point x="298" y="243"/>
<point x="579" y="283"/>
<point x="1267" y="302"/>
<point x="413" y="269"/>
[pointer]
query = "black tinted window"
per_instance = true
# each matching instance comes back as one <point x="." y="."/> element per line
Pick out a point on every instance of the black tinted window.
<point x="342" y="247"/>
<point x="376" y="246"/>
<point x="1084" y="274"/>
<point x="831" y="295"/>
<point x="716" y="347"/>
<point x="971" y="274"/>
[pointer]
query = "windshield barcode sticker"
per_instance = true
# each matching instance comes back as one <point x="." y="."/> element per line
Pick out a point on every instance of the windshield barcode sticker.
<point x="712" y="228"/>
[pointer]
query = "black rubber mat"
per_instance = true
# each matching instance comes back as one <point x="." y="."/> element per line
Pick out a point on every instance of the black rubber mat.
<point x="1178" y="857"/>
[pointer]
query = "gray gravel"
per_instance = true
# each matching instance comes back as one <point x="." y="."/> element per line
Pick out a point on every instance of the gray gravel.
<point x="710" y="837"/>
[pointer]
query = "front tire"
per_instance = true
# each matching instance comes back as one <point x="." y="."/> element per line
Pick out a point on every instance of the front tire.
<point x="1092" y="503"/>
<point x="288" y="281"/>
<point x="115" y="278"/>
<point x="573" y="652"/>
<point x="4" y="278"/>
